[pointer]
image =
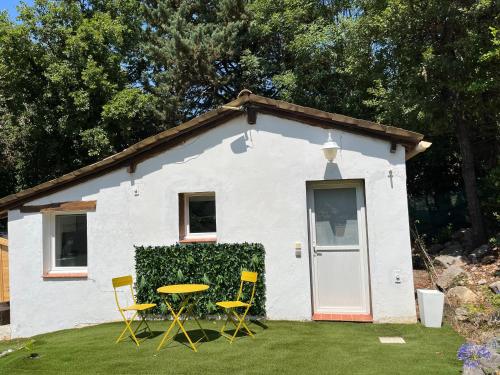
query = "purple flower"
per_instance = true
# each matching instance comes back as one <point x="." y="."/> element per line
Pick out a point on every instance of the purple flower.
<point x="470" y="354"/>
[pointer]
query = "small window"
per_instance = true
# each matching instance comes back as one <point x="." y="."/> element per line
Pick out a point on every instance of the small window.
<point x="197" y="217"/>
<point x="67" y="250"/>
<point x="71" y="241"/>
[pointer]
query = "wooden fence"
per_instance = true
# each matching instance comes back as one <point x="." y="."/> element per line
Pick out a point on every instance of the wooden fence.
<point x="4" y="270"/>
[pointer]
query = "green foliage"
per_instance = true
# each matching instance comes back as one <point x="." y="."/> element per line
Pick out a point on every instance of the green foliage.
<point x="218" y="265"/>
<point x="490" y="196"/>
<point x="493" y="53"/>
<point x="29" y="345"/>
<point x="91" y="77"/>
<point x="69" y="74"/>
<point x="315" y="53"/>
<point x="492" y="298"/>
<point x="495" y="301"/>
<point x="473" y="309"/>
<point x="490" y="303"/>
<point x="198" y="53"/>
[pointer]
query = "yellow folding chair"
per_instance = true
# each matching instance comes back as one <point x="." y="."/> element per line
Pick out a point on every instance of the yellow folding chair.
<point x="138" y="309"/>
<point x="231" y="306"/>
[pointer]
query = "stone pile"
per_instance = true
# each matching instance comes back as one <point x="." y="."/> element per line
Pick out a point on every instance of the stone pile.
<point x="464" y="273"/>
<point x="460" y="245"/>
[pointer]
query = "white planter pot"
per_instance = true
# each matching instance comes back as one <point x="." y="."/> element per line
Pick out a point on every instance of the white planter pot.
<point x="431" y="304"/>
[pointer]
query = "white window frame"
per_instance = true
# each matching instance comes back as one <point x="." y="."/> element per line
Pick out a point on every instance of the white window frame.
<point x="190" y="235"/>
<point x="51" y="245"/>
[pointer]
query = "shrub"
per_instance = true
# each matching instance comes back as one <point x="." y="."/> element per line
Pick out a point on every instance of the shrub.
<point x="218" y="265"/>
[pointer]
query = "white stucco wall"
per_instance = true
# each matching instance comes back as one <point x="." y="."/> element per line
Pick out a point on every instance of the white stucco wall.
<point x="259" y="175"/>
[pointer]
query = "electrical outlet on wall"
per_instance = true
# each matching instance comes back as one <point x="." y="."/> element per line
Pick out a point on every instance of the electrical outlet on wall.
<point x="298" y="249"/>
<point x="397" y="277"/>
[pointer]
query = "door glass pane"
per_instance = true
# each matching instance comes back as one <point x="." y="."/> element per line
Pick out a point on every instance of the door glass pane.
<point x="202" y="214"/>
<point x="71" y="241"/>
<point x="336" y="217"/>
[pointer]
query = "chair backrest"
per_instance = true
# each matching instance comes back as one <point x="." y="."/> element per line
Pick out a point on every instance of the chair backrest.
<point x="247" y="277"/>
<point x="251" y="277"/>
<point x="122" y="281"/>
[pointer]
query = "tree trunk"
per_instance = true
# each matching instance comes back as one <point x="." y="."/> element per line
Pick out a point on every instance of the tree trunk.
<point x="470" y="183"/>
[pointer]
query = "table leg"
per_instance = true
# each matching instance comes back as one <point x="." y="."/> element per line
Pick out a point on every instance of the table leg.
<point x="199" y="325"/>
<point x="175" y="317"/>
<point x="179" y="321"/>
<point x="189" y="314"/>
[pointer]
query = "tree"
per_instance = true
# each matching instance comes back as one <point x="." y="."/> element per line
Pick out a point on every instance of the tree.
<point x="69" y="87"/>
<point x="436" y="79"/>
<point x="199" y="55"/>
<point x="314" y="53"/>
<point x="425" y="66"/>
<point x="80" y="79"/>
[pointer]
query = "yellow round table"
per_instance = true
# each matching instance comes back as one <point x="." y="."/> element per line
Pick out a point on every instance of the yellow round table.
<point x="187" y="292"/>
<point x="182" y="288"/>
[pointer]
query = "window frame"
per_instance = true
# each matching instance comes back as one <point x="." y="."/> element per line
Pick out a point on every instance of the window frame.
<point x="51" y="267"/>
<point x="186" y="230"/>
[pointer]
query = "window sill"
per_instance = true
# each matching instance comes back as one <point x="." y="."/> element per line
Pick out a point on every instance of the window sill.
<point x="199" y="240"/>
<point x="68" y="275"/>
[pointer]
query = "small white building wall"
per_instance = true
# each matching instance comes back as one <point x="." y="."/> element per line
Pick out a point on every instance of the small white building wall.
<point x="258" y="173"/>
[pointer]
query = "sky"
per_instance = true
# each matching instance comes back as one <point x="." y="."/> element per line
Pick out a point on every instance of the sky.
<point x="10" y="6"/>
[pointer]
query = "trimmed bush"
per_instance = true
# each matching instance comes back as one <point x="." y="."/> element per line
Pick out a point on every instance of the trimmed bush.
<point x="218" y="265"/>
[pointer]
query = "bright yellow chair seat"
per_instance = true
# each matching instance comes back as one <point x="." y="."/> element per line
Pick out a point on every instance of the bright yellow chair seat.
<point x="232" y="304"/>
<point x="238" y="320"/>
<point x="139" y="307"/>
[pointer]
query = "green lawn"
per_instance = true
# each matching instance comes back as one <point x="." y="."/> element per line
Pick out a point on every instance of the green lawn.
<point x="278" y="347"/>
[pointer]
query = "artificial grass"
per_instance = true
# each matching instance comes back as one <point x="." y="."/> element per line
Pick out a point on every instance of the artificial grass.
<point x="278" y="348"/>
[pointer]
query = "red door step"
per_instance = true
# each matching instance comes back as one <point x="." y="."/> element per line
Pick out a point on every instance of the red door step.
<point x="367" y="318"/>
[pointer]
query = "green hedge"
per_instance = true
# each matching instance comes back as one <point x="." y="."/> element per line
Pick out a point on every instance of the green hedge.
<point x="218" y="265"/>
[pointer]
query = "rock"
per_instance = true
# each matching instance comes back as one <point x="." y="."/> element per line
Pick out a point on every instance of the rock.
<point x="451" y="276"/>
<point x="461" y="235"/>
<point x="495" y="287"/>
<point x="454" y="249"/>
<point x="497" y="273"/>
<point x="481" y="282"/>
<point x="461" y="314"/>
<point x="477" y="254"/>
<point x="449" y="243"/>
<point x="461" y="295"/>
<point x="471" y="371"/>
<point x="493" y="344"/>
<point x="479" y="319"/>
<point x="435" y="248"/>
<point x="489" y="259"/>
<point x="490" y="365"/>
<point x="481" y="250"/>
<point x="446" y="261"/>
<point x="494" y="321"/>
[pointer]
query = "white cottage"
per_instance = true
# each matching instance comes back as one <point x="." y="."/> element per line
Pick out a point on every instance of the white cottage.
<point x="336" y="232"/>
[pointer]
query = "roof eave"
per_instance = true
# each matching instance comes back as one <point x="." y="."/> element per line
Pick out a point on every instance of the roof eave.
<point x="166" y="139"/>
<point x="422" y="146"/>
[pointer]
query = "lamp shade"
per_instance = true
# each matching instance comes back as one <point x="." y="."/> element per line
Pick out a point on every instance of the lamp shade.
<point x="330" y="149"/>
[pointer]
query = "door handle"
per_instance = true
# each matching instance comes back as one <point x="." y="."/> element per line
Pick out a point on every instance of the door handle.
<point x="316" y="251"/>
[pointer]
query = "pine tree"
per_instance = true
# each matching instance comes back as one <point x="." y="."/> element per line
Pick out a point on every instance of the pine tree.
<point x="199" y="55"/>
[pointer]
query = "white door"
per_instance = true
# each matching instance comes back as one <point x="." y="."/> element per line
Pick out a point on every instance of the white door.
<point x="339" y="251"/>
